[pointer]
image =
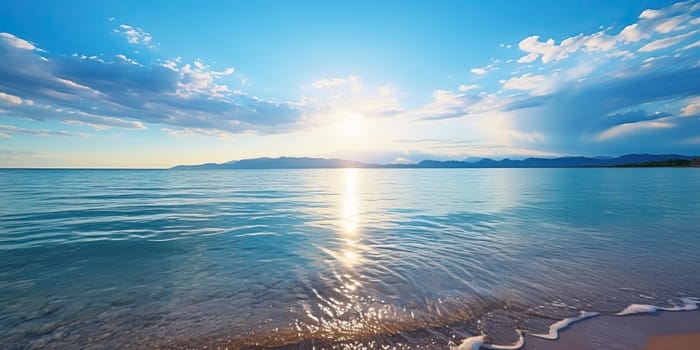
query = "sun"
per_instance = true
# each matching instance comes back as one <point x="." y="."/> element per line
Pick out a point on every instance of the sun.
<point x="351" y="131"/>
<point x="352" y="125"/>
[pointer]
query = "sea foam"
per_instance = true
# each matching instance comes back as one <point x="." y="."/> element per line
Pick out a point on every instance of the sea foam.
<point x="477" y="342"/>
<point x="559" y="325"/>
<point x="688" y="305"/>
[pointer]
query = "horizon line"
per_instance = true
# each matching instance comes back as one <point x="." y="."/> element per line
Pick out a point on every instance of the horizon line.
<point x="363" y="165"/>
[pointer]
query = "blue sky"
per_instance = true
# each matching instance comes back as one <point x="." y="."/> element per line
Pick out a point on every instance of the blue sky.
<point x="155" y="84"/>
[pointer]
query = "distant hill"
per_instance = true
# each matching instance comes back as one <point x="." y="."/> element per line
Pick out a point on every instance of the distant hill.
<point x="279" y="163"/>
<point x="561" y="162"/>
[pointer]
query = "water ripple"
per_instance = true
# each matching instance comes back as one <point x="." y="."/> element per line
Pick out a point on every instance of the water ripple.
<point x="334" y="258"/>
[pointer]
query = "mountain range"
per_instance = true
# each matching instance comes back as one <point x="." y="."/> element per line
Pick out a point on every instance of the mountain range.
<point x="561" y="162"/>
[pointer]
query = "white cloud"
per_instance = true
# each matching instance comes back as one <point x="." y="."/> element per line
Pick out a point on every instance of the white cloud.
<point x="692" y="109"/>
<point x="126" y="59"/>
<point x="104" y="93"/>
<point x="693" y="45"/>
<point x="673" y="18"/>
<point x="329" y="83"/>
<point x="632" y="33"/>
<point x="671" y="24"/>
<point x="527" y="82"/>
<point x="623" y="54"/>
<point x="651" y="22"/>
<point x="666" y="42"/>
<point x="600" y="42"/>
<point x="482" y="70"/>
<point x="17" y="42"/>
<point x="135" y="35"/>
<point x="196" y="132"/>
<point x="448" y="104"/>
<point x="630" y="128"/>
<point x="649" y="14"/>
<point x="372" y="103"/>
<point x="9" y="99"/>
<point x="197" y="78"/>
<point x="225" y="72"/>
<point x="468" y="87"/>
<point x="97" y="121"/>
<point x="548" y="50"/>
<point x="7" y="130"/>
<point x="353" y="82"/>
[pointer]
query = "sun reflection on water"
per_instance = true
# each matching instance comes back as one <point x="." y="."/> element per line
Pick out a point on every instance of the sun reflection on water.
<point x="344" y="307"/>
<point x="350" y="219"/>
<point x="349" y="213"/>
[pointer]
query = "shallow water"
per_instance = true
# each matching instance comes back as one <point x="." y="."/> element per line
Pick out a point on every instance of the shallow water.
<point x="334" y="258"/>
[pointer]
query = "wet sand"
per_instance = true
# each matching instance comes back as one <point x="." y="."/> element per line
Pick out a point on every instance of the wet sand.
<point x="657" y="331"/>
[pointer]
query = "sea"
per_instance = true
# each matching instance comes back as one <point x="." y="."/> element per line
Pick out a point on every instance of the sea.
<point x="337" y="258"/>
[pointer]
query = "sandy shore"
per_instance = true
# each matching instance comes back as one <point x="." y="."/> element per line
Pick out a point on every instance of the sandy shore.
<point x="661" y="330"/>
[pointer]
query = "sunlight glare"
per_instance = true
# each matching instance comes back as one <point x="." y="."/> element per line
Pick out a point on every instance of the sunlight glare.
<point x="352" y="125"/>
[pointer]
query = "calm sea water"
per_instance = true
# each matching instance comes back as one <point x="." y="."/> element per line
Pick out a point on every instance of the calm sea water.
<point x="334" y="258"/>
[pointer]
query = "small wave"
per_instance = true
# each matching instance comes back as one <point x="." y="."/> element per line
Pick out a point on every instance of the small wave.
<point x="688" y="305"/>
<point x="477" y="342"/>
<point x="253" y="234"/>
<point x="559" y="325"/>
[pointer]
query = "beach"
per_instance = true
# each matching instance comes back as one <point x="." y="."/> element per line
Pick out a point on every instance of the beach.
<point x="656" y="331"/>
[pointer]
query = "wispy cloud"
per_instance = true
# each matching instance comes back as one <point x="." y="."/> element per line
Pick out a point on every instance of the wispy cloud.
<point x="329" y="83"/>
<point x="482" y="70"/>
<point x="600" y="102"/>
<point x="9" y="99"/>
<point x="667" y="42"/>
<point x="7" y="130"/>
<point x="123" y="93"/>
<point x="469" y="87"/>
<point x="605" y="90"/>
<point x="15" y="42"/>
<point x="651" y="24"/>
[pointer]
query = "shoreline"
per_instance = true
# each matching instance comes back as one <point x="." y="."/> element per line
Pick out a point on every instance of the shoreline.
<point x="638" y="326"/>
<point x="678" y="330"/>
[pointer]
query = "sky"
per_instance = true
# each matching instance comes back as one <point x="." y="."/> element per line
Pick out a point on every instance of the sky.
<point x="151" y="84"/>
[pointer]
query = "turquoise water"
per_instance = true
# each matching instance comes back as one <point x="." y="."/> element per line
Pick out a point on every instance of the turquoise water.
<point x="334" y="258"/>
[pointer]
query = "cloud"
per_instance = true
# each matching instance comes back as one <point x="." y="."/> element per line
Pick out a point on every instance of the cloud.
<point x="548" y="51"/>
<point x="13" y="41"/>
<point x="692" y="109"/>
<point x="482" y="70"/>
<point x="630" y="128"/>
<point x="118" y="93"/>
<point x="666" y="42"/>
<point x="609" y="112"/>
<point x="179" y="132"/>
<point x="664" y="21"/>
<point x="135" y="35"/>
<point x="468" y="87"/>
<point x="447" y="105"/>
<point x="9" y="99"/>
<point x="527" y="82"/>
<point x="600" y="103"/>
<point x="7" y="130"/>
<point x="371" y="102"/>
<point x="691" y="46"/>
<point x="330" y="83"/>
